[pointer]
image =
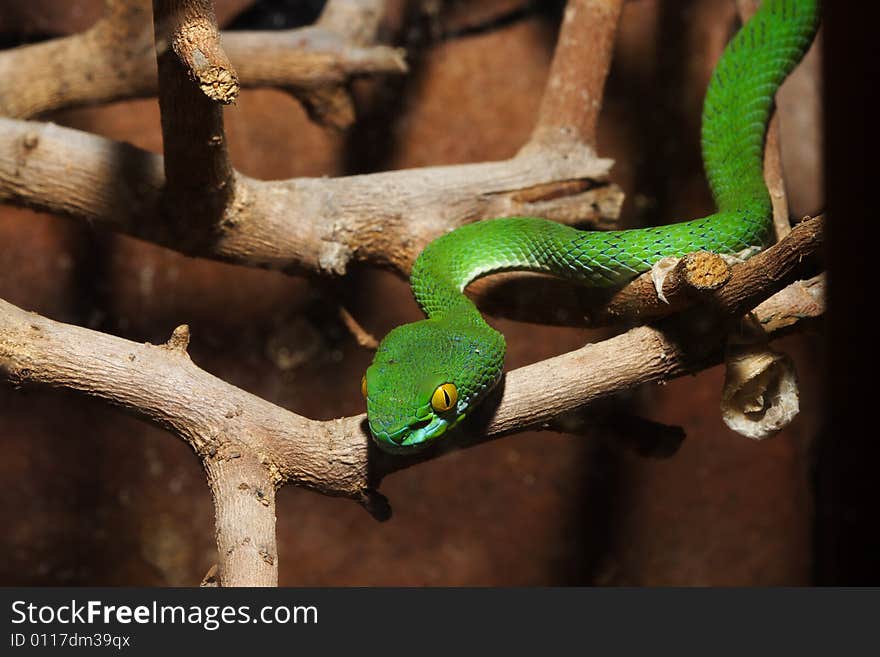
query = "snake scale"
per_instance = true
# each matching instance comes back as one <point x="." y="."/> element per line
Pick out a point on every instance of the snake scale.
<point x="428" y="375"/>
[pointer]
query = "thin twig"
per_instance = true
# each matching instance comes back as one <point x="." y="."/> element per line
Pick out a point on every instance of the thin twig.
<point x="772" y="152"/>
<point x="358" y="332"/>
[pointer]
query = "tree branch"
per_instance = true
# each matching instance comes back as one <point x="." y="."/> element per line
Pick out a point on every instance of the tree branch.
<point x="314" y="225"/>
<point x="573" y="96"/>
<point x="244" y="503"/>
<point x="356" y="20"/>
<point x="336" y="457"/>
<point x="115" y="60"/>
<point x="188" y="41"/>
<point x="310" y="225"/>
<point x="547" y="300"/>
<point x="195" y="77"/>
<point x="787" y="309"/>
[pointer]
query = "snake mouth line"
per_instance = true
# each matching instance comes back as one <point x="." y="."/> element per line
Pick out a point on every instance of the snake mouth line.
<point x="416" y="426"/>
<point x="412" y="437"/>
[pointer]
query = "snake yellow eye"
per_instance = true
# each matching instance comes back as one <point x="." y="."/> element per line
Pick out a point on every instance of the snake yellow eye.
<point x="364" y="386"/>
<point x="444" y="397"/>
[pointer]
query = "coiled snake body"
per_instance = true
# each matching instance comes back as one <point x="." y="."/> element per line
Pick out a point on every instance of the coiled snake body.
<point x="427" y="376"/>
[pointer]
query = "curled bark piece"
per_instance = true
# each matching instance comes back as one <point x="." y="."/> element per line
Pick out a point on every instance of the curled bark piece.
<point x="799" y="301"/>
<point x="760" y="396"/>
<point x="659" y="271"/>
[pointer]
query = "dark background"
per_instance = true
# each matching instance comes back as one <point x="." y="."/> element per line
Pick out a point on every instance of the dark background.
<point x="92" y="496"/>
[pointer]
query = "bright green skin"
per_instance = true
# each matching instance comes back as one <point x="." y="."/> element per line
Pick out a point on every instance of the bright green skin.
<point x="455" y="345"/>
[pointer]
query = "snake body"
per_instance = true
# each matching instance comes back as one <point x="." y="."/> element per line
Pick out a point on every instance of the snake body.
<point x="426" y="376"/>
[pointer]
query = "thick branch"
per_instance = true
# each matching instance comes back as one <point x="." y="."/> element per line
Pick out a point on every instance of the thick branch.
<point x="304" y="224"/>
<point x="560" y="302"/>
<point x="194" y="78"/>
<point x="162" y="384"/>
<point x="189" y="29"/>
<point x="336" y="457"/>
<point x="573" y="95"/>
<point x="244" y="503"/>
<point x="115" y="60"/>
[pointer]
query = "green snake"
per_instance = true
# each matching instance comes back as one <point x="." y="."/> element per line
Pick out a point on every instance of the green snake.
<point x="428" y="375"/>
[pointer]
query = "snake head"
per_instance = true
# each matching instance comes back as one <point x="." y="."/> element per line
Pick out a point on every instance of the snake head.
<point x="425" y="377"/>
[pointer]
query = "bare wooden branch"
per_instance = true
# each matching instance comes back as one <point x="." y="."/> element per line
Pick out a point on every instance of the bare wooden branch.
<point x="552" y="301"/>
<point x="101" y="64"/>
<point x="195" y="77"/>
<point x="316" y="225"/>
<point x="788" y="308"/>
<point x="186" y="31"/>
<point x="343" y="25"/>
<point x="357" y="20"/>
<point x="306" y="58"/>
<point x="335" y="457"/>
<point x="638" y="302"/>
<point x="688" y="281"/>
<point x="773" y="269"/>
<point x="573" y="95"/>
<point x="218" y="420"/>
<point x="244" y="503"/>
<point x="115" y="60"/>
